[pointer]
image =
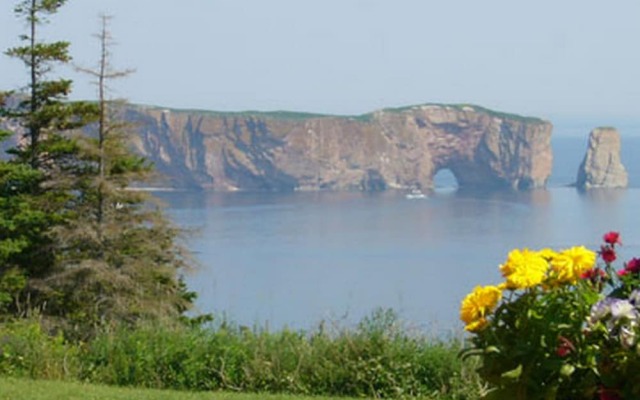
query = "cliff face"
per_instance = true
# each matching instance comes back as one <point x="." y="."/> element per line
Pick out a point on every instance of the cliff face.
<point x="602" y="166"/>
<point x="388" y="149"/>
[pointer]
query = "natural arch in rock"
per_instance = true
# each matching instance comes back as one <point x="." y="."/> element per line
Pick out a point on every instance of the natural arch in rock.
<point x="444" y="178"/>
<point x="387" y="149"/>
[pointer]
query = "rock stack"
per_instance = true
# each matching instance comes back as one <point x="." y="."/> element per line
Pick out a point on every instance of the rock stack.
<point x="602" y="166"/>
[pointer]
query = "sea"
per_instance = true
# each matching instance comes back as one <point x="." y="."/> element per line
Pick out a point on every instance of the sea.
<point x="296" y="260"/>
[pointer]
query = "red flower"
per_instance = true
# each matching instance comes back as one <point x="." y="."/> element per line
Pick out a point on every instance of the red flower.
<point x="565" y="347"/>
<point x="593" y="274"/>
<point x="608" y="254"/>
<point x="633" y="265"/>
<point x="612" y="238"/>
<point x="623" y="272"/>
<point x="563" y="351"/>
<point x="609" y="394"/>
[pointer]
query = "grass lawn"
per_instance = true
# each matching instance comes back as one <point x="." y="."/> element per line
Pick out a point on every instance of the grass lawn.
<point x="24" y="389"/>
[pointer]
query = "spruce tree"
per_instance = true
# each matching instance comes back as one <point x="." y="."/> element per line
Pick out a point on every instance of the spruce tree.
<point x="34" y="185"/>
<point x="76" y="244"/>
<point x="44" y="113"/>
<point x="122" y="251"/>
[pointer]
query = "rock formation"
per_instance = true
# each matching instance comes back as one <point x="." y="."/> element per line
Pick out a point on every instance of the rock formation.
<point x="601" y="166"/>
<point x="387" y="149"/>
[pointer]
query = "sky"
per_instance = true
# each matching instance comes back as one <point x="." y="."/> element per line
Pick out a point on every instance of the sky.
<point x="555" y="59"/>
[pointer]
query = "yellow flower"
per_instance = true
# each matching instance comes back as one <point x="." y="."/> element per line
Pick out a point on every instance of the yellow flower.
<point x="524" y="269"/>
<point x="571" y="263"/>
<point x="477" y="325"/>
<point x="477" y="304"/>
<point x="547" y="253"/>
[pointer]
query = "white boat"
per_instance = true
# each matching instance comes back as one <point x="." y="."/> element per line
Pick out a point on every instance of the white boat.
<point x="415" y="194"/>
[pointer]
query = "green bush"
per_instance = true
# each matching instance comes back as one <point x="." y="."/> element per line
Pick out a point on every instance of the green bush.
<point x="379" y="358"/>
<point x="26" y="350"/>
<point x="150" y="356"/>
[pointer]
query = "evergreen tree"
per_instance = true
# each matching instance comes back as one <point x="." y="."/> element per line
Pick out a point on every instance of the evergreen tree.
<point x="34" y="185"/>
<point x="123" y="251"/>
<point x="108" y="255"/>
<point x="44" y="113"/>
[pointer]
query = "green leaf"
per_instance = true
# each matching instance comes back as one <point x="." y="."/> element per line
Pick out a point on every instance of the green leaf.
<point x="567" y="370"/>
<point x="500" y="394"/>
<point x="4" y="134"/>
<point x="533" y="314"/>
<point x="551" y="393"/>
<point x="466" y="353"/>
<point x="514" y="373"/>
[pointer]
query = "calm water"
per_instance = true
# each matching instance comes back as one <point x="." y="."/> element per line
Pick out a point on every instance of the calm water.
<point x="296" y="259"/>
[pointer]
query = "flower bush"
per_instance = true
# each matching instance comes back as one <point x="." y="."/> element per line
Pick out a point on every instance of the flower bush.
<point x="562" y="325"/>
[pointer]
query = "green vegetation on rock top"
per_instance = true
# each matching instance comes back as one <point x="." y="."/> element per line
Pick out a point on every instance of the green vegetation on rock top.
<point x="476" y="108"/>
<point x="288" y="115"/>
<point x="367" y="117"/>
<point x="500" y="114"/>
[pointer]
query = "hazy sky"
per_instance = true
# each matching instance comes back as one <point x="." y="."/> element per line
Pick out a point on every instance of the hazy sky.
<point x="545" y="58"/>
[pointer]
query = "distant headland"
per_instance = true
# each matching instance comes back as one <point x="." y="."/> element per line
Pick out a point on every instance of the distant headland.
<point x="395" y="148"/>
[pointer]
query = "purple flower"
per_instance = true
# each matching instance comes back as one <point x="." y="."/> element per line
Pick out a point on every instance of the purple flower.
<point x="601" y="310"/>
<point x="614" y="309"/>
<point x="634" y="297"/>
<point x="623" y="310"/>
<point x="619" y="316"/>
<point x="627" y="336"/>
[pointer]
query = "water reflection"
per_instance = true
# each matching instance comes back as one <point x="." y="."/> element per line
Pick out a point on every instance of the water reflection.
<point x="294" y="259"/>
<point x="603" y="196"/>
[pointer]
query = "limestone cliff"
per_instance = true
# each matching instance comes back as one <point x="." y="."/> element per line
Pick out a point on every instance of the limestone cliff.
<point x="387" y="149"/>
<point x="602" y="166"/>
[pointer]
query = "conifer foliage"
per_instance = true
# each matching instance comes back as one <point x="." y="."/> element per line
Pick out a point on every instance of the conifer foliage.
<point x="76" y="245"/>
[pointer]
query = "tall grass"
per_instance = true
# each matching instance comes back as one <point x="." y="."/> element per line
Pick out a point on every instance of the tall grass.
<point x="27" y="351"/>
<point x="380" y="358"/>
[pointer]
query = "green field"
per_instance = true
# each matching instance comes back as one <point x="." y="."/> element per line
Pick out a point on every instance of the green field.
<point x="21" y="389"/>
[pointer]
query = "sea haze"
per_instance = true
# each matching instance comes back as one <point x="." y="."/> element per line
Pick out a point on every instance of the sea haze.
<point x="298" y="258"/>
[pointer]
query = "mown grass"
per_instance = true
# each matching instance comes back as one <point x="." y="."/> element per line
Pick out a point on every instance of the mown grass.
<point x="22" y="389"/>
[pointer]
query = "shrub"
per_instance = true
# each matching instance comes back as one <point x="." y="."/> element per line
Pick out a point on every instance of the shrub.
<point x="153" y="356"/>
<point x="379" y="358"/>
<point x="26" y="350"/>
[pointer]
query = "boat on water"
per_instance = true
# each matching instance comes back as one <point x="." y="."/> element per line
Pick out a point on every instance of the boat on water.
<point x="415" y="194"/>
